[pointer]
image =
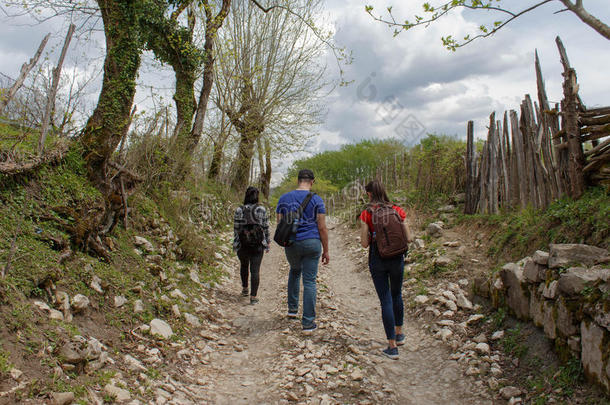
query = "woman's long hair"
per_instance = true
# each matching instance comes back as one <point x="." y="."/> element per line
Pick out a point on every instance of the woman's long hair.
<point x="251" y="196"/>
<point x="378" y="194"/>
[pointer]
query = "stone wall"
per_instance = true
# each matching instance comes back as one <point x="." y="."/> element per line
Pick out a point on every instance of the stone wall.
<point x="567" y="293"/>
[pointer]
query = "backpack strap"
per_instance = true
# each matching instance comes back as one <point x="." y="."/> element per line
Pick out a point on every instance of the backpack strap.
<point x="304" y="204"/>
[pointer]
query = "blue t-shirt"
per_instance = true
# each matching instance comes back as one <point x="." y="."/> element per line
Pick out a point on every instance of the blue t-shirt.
<point x="308" y="225"/>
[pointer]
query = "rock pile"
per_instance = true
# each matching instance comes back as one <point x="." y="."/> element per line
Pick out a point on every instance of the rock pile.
<point x="454" y="319"/>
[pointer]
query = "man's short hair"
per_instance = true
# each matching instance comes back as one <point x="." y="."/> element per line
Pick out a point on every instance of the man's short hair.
<point x="306" y="174"/>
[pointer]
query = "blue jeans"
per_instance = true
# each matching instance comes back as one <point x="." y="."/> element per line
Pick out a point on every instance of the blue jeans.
<point x="303" y="257"/>
<point x="387" y="277"/>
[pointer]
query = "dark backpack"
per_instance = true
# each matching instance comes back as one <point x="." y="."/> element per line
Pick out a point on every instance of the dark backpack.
<point x="390" y="234"/>
<point x="286" y="230"/>
<point x="251" y="234"/>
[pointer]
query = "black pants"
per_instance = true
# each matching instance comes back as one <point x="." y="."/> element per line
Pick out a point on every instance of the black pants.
<point x="250" y="259"/>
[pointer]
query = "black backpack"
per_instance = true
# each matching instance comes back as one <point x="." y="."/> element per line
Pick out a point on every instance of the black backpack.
<point x="251" y="235"/>
<point x="286" y="229"/>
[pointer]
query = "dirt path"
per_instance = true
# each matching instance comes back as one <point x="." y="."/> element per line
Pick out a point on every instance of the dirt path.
<point x="263" y="357"/>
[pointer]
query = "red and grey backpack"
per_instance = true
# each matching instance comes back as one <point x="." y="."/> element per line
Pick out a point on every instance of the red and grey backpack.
<point x="390" y="234"/>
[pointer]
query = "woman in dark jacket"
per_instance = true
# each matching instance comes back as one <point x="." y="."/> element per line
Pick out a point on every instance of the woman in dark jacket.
<point x="250" y="241"/>
<point x="387" y="273"/>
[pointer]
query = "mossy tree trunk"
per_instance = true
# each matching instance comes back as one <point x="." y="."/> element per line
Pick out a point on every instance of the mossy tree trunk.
<point x="111" y="118"/>
<point x="250" y="129"/>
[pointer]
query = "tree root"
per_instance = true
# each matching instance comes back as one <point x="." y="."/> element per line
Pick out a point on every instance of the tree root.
<point x="52" y="157"/>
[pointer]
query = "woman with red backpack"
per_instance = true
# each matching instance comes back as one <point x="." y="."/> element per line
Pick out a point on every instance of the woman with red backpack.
<point x="250" y="240"/>
<point x="384" y="230"/>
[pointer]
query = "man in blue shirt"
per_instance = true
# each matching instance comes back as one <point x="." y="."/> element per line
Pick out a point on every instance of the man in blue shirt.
<point x="303" y="255"/>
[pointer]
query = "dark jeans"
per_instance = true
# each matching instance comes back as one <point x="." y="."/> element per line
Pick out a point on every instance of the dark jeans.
<point x="387" y="276"/>
<point x="303" y="257"/>
<point x="250" y="259"/>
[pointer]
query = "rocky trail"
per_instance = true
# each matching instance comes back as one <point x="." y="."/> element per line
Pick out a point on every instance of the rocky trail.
<point x="231" y="352"/>
<point x="263" y="357"/>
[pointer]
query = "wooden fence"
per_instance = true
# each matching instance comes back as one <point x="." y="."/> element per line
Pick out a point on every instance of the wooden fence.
<point x="535" y="156"/>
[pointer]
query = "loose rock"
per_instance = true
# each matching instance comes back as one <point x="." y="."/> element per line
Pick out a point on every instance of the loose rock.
<point x="160" y="328"/>
<point x="80" y="303"/>
<point x="62" y="398"/>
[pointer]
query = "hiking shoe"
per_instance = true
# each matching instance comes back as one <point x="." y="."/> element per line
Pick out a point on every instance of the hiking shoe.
<point x="391" y="353"/>
<point x="245" y="292"/>
<point x="400" y="339"/>
<point x="307" y="330"/>
<point x="292" y="315"/>
<point x="253" y="300"/>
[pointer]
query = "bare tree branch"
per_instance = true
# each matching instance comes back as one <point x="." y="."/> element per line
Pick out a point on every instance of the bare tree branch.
<point x="53" y="92"/>
<point x="451" y="43"/>
<point x="589" y="19"/>
<point x="25" y="69"/>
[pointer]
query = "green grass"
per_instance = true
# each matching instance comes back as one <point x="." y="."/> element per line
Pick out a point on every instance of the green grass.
<point x="562" y="380"/>
<point x="26" y="204"/>
<point x="5" y="364"/>
<point x="21" y="142"/>
<point x="515" y="234"/>
<point x="498" y="317"/>
<point x="514" y="342"/>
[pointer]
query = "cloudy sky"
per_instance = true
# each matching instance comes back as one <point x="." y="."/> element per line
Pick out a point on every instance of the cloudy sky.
<point x="411" y="79"/>
<point x="407" y="85"/>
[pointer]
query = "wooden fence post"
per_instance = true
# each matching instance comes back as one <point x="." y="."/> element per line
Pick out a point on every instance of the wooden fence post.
<point x="471" y="199"/>
<point x="572" y="130"/>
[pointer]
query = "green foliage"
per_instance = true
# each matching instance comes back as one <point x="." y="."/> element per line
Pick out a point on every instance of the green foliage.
<point x="518" y="233"/>
<point x="322" y="187"/>
<point x="560" y="380"/>
<point x="426" y="174"/>
<point x="514" y="342"/>
<point x="350" y="162"/>
<point x="21" y="143"/>
<point x="5" y="364"/>
<point x="436" y="169"/>
<point x="498" y="317"/>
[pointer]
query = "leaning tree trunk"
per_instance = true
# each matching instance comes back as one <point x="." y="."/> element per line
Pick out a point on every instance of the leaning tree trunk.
<point x="212" y="26"/>
<point x="111" y="118"/>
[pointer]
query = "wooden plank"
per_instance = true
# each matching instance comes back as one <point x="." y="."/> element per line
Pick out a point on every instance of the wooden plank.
<point x="593" y="112"/>
<point x="541" y="181"/>
<point x="546" y="154"/>
<point x="595" y="128"/>
<point x="483" y="175"/>
<point x="517" y="138"/>
<point x="471" y="201"/>
<point x="493" y="165"/>
<point x="530" y="169"/>
<point x="597" y="162"/>
<point x="597" y="120"/>
<point x="598" y="148"/>
<point x="507" y="157"/>
<point x="594" y="136"/>
<point x="505" y="197"/>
